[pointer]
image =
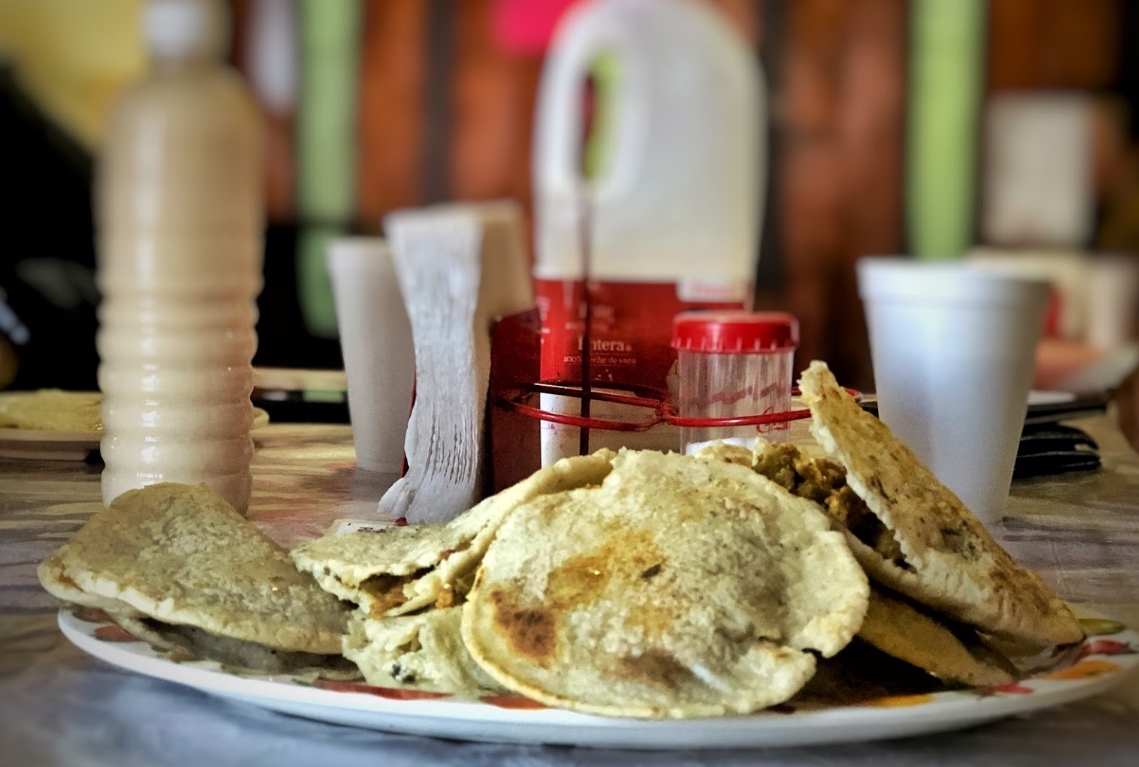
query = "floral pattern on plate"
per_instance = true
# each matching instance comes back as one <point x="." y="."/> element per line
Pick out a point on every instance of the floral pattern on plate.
<point x="1088" y="664"/>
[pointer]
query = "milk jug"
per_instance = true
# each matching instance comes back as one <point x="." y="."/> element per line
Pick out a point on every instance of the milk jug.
<point x="180" y="221"/>
<point x="669" y="223"/>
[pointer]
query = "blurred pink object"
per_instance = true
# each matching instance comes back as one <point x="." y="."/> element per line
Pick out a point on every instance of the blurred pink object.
<point x="1058" y="360"/>
<point x="526" y="26"/>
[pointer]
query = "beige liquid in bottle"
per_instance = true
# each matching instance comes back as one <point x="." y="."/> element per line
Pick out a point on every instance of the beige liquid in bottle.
<point x="180" y="215"/>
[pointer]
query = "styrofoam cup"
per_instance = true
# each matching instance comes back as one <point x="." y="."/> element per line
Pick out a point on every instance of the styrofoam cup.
<point x="1112" y="299"/>
<point x="375" y="341"/>
<point x="953" y="347"/>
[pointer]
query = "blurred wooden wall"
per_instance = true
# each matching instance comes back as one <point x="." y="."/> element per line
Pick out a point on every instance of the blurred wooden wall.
<point x="492" y="98"/>
<point x="445" y="112"/>
<point x="393" y="98"/>
<point x="839" y="121"/>
<point x="1054" y="43"/>
<point x="839" y="112"/>
<point x="411" y="51"/>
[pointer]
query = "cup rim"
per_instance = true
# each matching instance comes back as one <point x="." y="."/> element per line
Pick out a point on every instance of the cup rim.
<point x="356" y="251"/>
<point x="957" y="281"/>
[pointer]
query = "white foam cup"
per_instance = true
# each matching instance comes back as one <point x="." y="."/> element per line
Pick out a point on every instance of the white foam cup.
<point x="375" y="341"/>
<point x="1112" y="300"/>
<point x="953" y="348"/>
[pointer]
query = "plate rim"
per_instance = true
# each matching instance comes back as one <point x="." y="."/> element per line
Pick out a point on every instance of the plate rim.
<point x="91" y="437"/>
<point x="944" y="711"/>
<point x="15" y="434"/>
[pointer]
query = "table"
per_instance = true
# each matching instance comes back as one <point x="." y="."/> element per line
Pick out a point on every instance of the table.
<point x="60" y="707"/>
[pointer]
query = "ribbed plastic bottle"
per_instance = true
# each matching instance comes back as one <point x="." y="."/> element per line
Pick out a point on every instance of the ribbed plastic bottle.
<point x="180" y="237"/>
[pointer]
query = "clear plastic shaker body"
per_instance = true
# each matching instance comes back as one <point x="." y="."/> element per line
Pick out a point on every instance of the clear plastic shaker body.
<point x="730" y="365"/>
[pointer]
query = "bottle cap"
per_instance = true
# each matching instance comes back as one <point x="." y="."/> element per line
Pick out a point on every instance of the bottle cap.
<point x="734" y="332"/>
<point x="181" y="28"/>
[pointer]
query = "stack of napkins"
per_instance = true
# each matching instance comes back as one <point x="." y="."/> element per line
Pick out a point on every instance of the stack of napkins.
<point x="460" y="267"/>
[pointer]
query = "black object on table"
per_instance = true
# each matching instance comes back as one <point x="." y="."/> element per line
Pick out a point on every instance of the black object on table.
<point x="1048" y="446"/>
<point x="1054" y="448"/>
<point x="294" y="407"/>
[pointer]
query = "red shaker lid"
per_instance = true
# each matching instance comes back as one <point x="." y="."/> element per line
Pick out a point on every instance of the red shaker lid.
<point x="734" y="332"/>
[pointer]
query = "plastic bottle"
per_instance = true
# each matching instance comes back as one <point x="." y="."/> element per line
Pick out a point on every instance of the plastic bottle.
<point x="180" y="237"/>
<point x="672" y="212"/>
<point x="678" y="199"/>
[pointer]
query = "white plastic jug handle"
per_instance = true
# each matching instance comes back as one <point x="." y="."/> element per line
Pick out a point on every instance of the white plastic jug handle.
<point x="557" y="150"/>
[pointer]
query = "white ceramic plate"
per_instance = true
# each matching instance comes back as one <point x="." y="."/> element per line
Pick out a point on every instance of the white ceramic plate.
<point x="1107" y="656"/>
<point x="47" y="445"/>
<point x="1037" y="398"/>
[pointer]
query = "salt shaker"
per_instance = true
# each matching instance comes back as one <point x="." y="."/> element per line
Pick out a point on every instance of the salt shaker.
<point x="732" y="364"/>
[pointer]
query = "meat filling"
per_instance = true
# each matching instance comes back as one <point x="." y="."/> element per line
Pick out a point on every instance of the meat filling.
<point x="387" y="590"/>
<point x="824" y="482"/>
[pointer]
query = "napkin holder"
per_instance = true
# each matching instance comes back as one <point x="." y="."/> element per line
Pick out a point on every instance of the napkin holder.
<point x="513" y="440"/>
<point x="514" y="420"/>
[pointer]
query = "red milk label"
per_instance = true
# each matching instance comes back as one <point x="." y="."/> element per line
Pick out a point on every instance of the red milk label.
<point x="630" y="334"/>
